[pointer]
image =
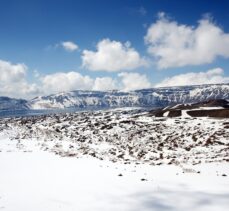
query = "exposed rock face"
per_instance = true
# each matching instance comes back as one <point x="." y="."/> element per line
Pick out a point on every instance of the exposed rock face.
<point x="220" y="113"/>
<point x="211" y="108"/>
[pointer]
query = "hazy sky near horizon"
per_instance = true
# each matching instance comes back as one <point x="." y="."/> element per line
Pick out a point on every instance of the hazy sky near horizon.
<point x="50" y="46"/>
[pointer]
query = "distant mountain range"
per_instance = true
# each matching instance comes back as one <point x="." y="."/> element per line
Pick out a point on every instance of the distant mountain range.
<point x="154" y="97"/>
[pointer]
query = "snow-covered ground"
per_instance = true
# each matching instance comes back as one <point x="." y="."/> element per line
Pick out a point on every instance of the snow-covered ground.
<point x="36" y="180"/>
<point x="44" y="169"/>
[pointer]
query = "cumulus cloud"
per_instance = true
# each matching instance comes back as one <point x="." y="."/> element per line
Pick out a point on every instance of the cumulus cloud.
<point x="177" y="45"/>
<point x="12" y="72"/>
<point x="13" y="81"/>
<point x="133" y="81"/>
<point x="69" y="81"/>
<point x="105" y="83"/>
<point x="213" y="76"/>
<point x="112" y="56"/>
<point x="69" y="46"/>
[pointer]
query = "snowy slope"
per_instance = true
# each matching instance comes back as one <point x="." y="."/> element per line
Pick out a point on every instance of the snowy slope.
<point x="39" y="181"/>
<point x="118" y="159"/>
<point x="155" y="97"/>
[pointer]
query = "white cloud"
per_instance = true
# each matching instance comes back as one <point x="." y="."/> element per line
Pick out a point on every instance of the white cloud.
<point x="133" y="81"/>
<point x="12" y="72"/>
<point x="112" y="56"/>
<point x="69" y="46"/>
<point x="214" y="76"/>
<point x="59" y="82"/>
<point x="177" y="45"/>
<point x="105" y="83"/>
<point x="13" y="81"/>
<point x="69" y="81"/>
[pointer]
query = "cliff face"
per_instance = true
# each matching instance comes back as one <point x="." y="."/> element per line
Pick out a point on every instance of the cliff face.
<point x="155" y="97"/>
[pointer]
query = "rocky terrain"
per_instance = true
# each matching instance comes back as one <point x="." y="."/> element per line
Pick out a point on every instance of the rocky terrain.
<point x="125" y="136"/>
<point x="130" y="156"/>
<point x="211" y="108"/>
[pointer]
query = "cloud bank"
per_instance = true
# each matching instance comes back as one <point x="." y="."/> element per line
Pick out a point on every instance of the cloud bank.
<point x="59" y="82"/>
<point x="133" y="81"/>
<point x="213" y="76"/>
<point x="69" y="81"/>
<point x="105" y="83"/>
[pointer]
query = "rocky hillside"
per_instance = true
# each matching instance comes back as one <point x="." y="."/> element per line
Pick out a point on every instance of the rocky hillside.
<point x="211" y="108"/>
<point x="155" y="97"/>
<point x="7" y="103"/>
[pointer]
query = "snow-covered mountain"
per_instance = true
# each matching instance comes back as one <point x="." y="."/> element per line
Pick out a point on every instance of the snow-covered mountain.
<point x="7" y="103"/>
<point x="155" y="97"/>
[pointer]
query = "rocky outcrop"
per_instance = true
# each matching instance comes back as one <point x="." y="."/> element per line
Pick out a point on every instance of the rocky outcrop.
<point x="211" y="108"/>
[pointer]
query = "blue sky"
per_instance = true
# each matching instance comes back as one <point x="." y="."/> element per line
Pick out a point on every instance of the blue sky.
<point x="33" y="33"/>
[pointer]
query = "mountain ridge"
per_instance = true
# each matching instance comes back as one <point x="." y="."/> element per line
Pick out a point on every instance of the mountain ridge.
<point x="153" y="97"/>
